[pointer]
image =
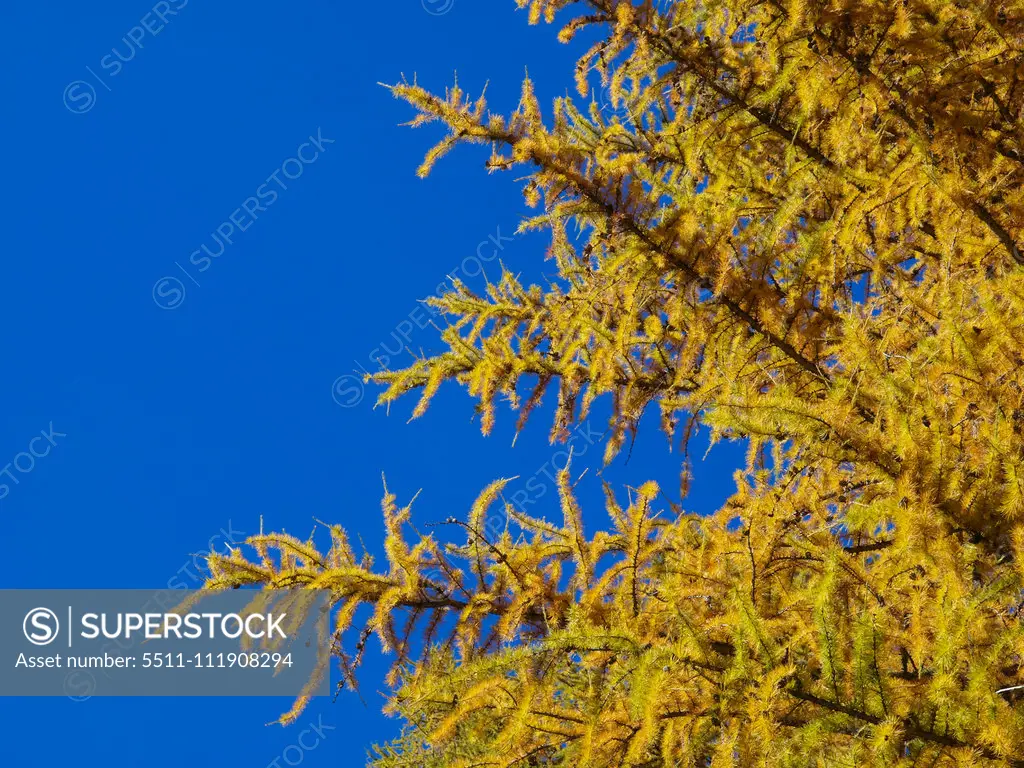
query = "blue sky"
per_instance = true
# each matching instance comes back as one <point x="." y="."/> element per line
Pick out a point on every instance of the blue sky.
<point x="185" y="395"/>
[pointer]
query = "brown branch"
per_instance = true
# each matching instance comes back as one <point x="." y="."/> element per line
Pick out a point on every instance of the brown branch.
<point x="874" y="546"/>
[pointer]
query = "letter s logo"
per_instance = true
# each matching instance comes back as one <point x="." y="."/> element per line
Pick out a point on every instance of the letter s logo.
<point x="168" y="293"/>
<point x="41" y="626"/>
<point x="79" y="97"/>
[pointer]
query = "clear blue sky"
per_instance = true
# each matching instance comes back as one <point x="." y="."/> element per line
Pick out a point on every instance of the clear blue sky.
<point x="179" y="422"/>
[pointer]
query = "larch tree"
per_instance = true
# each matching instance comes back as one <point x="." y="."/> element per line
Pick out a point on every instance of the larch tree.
<point x="801" y="228"/>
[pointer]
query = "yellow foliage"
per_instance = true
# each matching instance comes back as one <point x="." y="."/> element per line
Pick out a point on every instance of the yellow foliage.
<point x="800" y="228"/>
